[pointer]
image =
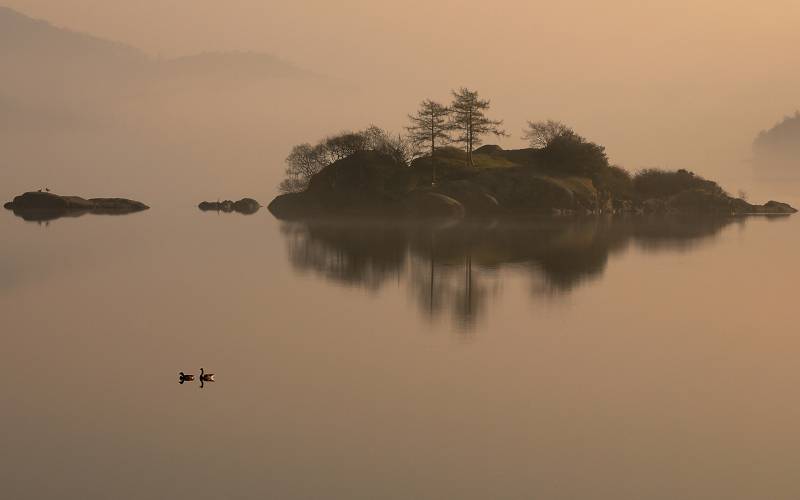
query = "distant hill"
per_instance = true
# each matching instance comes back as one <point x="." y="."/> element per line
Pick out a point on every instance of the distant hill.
<point x="47" y="65"/>
<point x="777" y="151"/>
<point x="29" y="40"/>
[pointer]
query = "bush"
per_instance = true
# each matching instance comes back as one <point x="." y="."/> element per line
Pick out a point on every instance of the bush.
<point x="616" y="180"/>
<point x="655" y="183"/>
<point x="573" y="154"/>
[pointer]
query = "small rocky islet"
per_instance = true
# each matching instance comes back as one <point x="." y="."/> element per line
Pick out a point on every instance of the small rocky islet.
<point x="44" y="206"/>
<point x="502" y="183"/>
<point x="244" y="206"/>
<point x="41" y="205"/>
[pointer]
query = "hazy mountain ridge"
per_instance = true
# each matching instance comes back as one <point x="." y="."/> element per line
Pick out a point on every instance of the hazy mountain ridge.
<point x="21" y="35"/>
<point x="43" y="62"/>
<point x="776" y="151"/>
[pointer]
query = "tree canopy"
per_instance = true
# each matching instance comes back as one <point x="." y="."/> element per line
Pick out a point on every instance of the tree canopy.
<point x="540" y="134"/>
<point x="429" y="125"/>
<point x="305" y="160"/>
<point x="469" y="121"/>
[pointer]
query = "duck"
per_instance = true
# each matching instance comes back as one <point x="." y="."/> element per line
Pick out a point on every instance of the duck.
<point x="205" y="377"/>
<point x="185" y="377"/>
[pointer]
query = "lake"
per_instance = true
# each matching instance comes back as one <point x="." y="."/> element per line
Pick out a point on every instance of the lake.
<point x="590" y="358"/>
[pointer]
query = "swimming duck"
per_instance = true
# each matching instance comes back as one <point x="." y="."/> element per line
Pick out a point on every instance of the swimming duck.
<point x="185" y="377"/>
<point x="205" y="377"/>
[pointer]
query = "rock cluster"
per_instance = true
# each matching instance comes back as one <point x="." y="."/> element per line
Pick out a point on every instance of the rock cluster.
<point x="37" y="205"/>
<point x="243" y="206"/>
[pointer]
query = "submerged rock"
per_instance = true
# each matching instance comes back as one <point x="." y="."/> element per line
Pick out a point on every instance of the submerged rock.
<point x="244" y="206"/>
<point x="38" y="205"/>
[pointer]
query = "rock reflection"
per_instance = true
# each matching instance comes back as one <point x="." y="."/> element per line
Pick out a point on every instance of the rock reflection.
<point x="45" y="216"/>
<point x="454" y="268"/>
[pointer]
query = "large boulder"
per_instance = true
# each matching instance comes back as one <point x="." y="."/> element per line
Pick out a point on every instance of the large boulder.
<point x="427" y="204"/>
<point x="246" y="206"/>
<point x="476" y="199"/>
<point x="294" y="206"/>
<point x="524" y="190"/>
<point x="49" y="201"/>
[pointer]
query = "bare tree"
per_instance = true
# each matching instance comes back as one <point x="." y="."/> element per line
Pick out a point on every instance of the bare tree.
<point x="305" y="160"/>
<point x="467" y="118"/>
<point x="302" y="163"/>
<point x="293" y="184"/>
<point x="344" y="144"/>
<point x="541" y="134"/>
<point x="430" y="124"/>
<point x="398" y="147"/>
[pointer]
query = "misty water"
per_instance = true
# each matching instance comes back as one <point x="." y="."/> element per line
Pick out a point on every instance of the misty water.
<point x="550" y="358"/>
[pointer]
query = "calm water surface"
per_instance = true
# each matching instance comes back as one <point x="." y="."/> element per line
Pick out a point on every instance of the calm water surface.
<point x="584" y="359"/>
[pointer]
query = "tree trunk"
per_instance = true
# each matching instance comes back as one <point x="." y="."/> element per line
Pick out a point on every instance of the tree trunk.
<point x="469" y="140"/>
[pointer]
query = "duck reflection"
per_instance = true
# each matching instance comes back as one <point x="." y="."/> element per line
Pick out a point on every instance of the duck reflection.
<point x="455" y="267"/>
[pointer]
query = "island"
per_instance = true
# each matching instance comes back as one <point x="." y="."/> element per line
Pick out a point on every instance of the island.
<point x="440" y="169"/>
<point x="502" y="183"/>
<point x="42" y="205"/>
<point x="244" y="206"/>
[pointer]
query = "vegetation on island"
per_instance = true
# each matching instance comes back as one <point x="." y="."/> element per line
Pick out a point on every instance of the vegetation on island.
<point x="439" y="168"/>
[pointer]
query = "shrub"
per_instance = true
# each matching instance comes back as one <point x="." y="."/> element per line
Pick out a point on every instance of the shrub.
<point x="656" y="183"/>
<point x="615" y="180"/>
<point x="573" y="154"/>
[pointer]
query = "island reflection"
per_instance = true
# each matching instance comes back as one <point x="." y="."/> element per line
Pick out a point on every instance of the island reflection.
<point x="453" y="267"/>
<point x="45" y="216"/>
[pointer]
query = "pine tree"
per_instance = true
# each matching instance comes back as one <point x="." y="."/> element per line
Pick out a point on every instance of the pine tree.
<point x="430" y="124"/>
<point x="467" y="118"/>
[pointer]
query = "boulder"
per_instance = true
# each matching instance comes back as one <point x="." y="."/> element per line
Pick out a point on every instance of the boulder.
<point x="476" y="200"/>
<point x="427" y="204"/>
<point x="246" y="206"/>
<point x="49" y="201"/>
<point x="114" y="205"/>
<point x="292" y="205"/>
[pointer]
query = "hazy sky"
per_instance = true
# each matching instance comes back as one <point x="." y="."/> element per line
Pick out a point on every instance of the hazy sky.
<point x="672" y="83"/>
<point x="346" y="34"/>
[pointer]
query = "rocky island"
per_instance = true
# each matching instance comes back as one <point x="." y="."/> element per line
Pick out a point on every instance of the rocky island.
<point x="38" y="205"/>
<point x="372" y="172"/>
<point x="501" y="183"/>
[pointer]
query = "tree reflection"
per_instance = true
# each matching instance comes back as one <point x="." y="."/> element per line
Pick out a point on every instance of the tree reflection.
<point x="455" y="268"/>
